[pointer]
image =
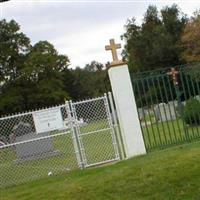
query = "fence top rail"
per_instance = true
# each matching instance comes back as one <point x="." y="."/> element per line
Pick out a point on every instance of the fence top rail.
<point x="88" y="100"/>
<point x="46" y="109"/>
<point x="29" y="112"/>
<point x="163" y="71"/>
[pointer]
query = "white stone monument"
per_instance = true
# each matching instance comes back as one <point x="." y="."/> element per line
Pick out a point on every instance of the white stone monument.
<point x="125" y="104"/>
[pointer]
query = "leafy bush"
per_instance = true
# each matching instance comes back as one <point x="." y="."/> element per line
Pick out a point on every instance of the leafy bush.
<point x="191" y="113"/>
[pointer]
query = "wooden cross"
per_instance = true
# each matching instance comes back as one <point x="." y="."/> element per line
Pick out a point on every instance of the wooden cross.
<point x="174" y="74"/>
<point x="113" y="47"/>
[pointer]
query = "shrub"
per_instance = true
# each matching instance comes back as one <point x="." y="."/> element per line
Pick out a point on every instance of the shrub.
<point x="191" y="112"/>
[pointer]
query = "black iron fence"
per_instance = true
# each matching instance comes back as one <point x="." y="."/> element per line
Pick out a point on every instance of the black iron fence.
<point x="168" y="102"/>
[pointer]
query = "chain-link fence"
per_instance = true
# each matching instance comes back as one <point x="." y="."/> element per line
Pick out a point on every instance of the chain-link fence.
<point x="29" y="150"/>
<point x="95" y="130"/>
<point x="56" y="140"/>
<point x="33" y="159"/>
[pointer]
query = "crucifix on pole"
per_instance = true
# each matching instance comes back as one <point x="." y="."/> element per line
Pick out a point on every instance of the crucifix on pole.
<point x="174" y="74"/>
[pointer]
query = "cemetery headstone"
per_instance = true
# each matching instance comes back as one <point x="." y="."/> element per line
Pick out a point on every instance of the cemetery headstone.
<point x="32" y="145"/>
<point x="166" y="112"/>
<point x="172" y="109"/>
<point x="197" y="97"/>
<point x="141" y="113"/>
<point x="3" y="140"/>
<point x="2" y="143"/>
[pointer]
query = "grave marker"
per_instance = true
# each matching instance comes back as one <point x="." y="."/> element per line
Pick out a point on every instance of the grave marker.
<point x="31" y="144"/>
<point x="165" y="112"/>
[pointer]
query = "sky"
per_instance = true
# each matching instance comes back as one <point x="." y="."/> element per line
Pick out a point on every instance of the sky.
<point x="81" y="29"/>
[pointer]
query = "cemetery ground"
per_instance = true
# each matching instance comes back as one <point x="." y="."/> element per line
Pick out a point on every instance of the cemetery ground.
<point x="156" y="136"/>
<point x="167" y="174"/>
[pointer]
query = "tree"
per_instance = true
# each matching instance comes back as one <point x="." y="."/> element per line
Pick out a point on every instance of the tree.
<point x="191" y="39"/>
<point x="98" y="82"/>
<point x="155" y="43"/>
<point x="173" y="23"/>
<point x="43" y="72"/>
<point x="3" y="1"/>
<point x="94" y="66"/>
<point x="87" y="82"/>
<point x="30" y="76"/>
<point x="38" y="76"/>
<point x="14" y="45"/>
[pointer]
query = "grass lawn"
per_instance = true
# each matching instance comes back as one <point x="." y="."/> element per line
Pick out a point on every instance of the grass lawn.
<point x="161" y="175"/>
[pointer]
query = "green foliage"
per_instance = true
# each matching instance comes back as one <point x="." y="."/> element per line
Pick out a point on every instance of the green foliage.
<point x="190" y="39"/>
<point x="191" y="114"/>
<point x="30" y="76"/>
<point x="91" y="81"/>
<point x="155" y="43"/>
<point x="44" y="70"/>
<point x="13" y="47"/>
<point x="94" y="66"/>
<point x="37" y="76"/>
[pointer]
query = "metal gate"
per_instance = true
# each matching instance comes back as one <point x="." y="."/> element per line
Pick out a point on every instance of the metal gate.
<point x="168" y="102"/>
<point x="86" y="138"/>
<point x="93" y="131"/>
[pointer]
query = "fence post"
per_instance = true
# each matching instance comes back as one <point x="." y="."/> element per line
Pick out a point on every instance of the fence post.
<point x="116" y="126"/>
<point x="74" y="135"/>
<point x="110" y="121"/>
<point x="78" y="137"/>
<point x="127" y="110"/>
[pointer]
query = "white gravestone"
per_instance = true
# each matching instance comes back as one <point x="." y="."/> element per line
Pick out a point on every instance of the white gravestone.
<point x="141" y="113"/>
<point x="197" y="97"/>
<point x="166" y="112"/>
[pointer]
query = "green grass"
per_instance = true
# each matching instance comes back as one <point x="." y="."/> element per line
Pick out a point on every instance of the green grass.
<point x="98" y="147"/>
<point x="161" y="175"/>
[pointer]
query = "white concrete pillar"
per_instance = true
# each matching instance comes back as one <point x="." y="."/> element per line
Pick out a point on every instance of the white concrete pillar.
<point x="127" y="110"/>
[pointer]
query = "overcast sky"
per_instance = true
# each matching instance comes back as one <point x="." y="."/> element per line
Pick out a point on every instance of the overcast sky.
<point x="81" y="29"/>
